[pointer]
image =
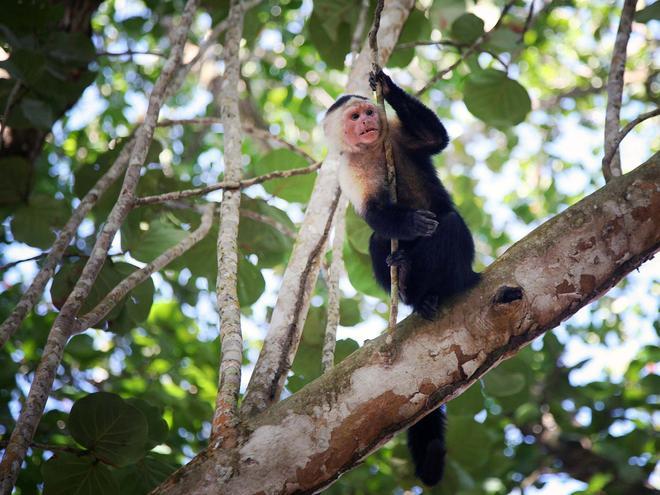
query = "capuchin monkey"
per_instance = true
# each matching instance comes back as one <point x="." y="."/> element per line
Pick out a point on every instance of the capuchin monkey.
<point x="436" y="250"/>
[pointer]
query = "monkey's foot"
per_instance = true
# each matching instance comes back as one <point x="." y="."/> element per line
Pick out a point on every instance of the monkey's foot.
<point x="424" y="223"/>
<point x="428" y="307"/>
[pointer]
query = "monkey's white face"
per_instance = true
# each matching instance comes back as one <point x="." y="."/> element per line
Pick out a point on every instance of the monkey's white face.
<point x="361" y="124"/>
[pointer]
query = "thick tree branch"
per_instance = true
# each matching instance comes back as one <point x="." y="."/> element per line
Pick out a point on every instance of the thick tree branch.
<point x="303" y="443"/>
<point x="615" y="89"/>
<point x="290" y="311"/>
<point x="225" y="421"/>
<point x="64" y="323"/>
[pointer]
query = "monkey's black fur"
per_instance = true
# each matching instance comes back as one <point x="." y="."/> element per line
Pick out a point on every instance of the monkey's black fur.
<point x="435" y="246"/>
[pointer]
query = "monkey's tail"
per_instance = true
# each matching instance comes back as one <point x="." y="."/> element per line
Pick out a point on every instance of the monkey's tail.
<point x="426" y="442"/>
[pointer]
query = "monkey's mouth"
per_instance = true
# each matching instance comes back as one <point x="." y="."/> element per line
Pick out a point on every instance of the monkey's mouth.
<point x="368" y="132"/>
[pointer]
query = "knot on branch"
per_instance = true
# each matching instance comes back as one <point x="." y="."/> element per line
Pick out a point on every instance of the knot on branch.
<point x="506" y="295"/>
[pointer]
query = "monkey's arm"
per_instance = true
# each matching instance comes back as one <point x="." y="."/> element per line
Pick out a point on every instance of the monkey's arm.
<point x="419" y="123"/>
<point x="398" y="222"/>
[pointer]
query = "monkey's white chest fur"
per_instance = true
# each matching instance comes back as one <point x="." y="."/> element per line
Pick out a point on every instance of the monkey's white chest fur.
<point x="360" y="180"/>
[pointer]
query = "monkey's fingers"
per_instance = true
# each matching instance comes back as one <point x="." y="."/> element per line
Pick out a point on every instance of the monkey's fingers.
<point x="424" y="223"/>
<point x="398" y="258"/>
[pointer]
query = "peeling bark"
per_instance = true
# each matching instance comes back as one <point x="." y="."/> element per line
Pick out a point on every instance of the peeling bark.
<point x="290" y="311"/>
<point x="302" y="444"/>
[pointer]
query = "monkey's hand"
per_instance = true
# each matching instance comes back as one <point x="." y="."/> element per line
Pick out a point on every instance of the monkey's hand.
<point x="398" y="258"/>
<point x="384" y="79"/>
<point x="424" y="223"/>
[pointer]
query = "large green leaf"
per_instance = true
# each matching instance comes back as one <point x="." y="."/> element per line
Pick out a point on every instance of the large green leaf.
<point x="110" y="427"/>
<point x="493" y="97"/>
<point x="15" y="184"/>
<point x="467" y="28"/>
<point x="332" y="52"/>
<point x="297" y="188"/>
<point x="416" y="28"/>
<point x="148" y="240"/>
<point x="360" y="274"/>
<point x="251" y="283"/>
<point x="158" y="428"/>
<point x="357" y="231"/>
<point x="35" y="223"/>
<point x="145" y="475"/>
<point x="66" y="474"/>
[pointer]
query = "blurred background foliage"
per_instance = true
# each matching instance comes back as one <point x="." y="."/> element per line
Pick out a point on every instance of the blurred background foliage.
<point x="573" y="413"/>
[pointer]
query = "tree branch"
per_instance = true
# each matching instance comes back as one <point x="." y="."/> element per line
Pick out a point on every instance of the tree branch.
<point x="64" y="323"/>
<point x="300" y="276"/>
<point x="225" y="421"/>
<point x="334" y="294"/>
<point x="305" y="442"/>
<point x="623" y="133"/>
<point x="226" y="184"/>
<point x="120" y="291"/>
<point x="615" y="89"/>
<point x="471" y="49"/>
<point x="359" y="26"/>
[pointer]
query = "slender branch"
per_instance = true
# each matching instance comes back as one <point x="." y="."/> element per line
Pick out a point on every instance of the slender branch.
<point x="227" y="184"/>
<point x="122" y="289"/>
<point x="64" y="237"/>
<point x="359" y="26"/>
<point x="18" y="262"/>
<point x="528" y="21"/>
<point x="129" y="53"/>
<point x="474" y="47"/>
<point x="615" y="89"/>
<point x="225" y="421"/>
<point x="389" y="158"/>
<point x="49" y="446"/>
<point x="334" y="294"/>
<point x="614" y="146"/>
<point x="41" y="386"/>
<point x="5" y="113"/>
<point x="414" y="44"/>
<point x="288" y="319"/>
<point x="279" y="226"/>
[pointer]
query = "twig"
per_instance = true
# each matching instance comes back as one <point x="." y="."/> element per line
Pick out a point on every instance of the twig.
<point x="120" y="291"/>
<point x="413" y="44"/>
<point x="226" y="184"/>
<point x="225" y="417"/>
<point x="359" y="27"/>
<point x="48" y="446"/>
<point x="475" y="46"/>
<point x="389" y="158"/>
<point x="279" y="226"/>
<point x="42" y="384"/>
<point x="334" y="294"/>
<point x="528" y="21"/>
<point x="615" y="89"/>
<point x="622" y="134"/>
<point x="5" y="113"/>
<point x="18" y="262"/>
<point x="30" y="296"/>
<point x="128" y="53"/>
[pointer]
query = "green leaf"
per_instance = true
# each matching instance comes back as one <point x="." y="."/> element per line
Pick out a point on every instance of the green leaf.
<point x="332" y="52"/>
<point x="251" y="283"/>
<point x="648" y="13"/>
<point x="502" y="384"/>
<point x="65" y="474"/>
<point x="110" y="427"/>
<point x="494" y="98"/>
<point x="345" y="348"/>
<point x="148" y="240"/>
<point x="467" y="441"/>
<point x="145" y="475"/>
<point x="157" y="426"/>
<point x="416" y="28"/>
<point x="357" y="231"/>
<point x="15" y="184"/>
<point x="37" y="112"/>
<point x="35" y="224"/>
<point x="349" y="312"/>
<point x="271" y="246"/>
<point x="467" y="28"/>
<point x="360" y="274"/>
<point x="295" y="189"/>
<point x="70" y="48"/>
<point x="502" y="40"/>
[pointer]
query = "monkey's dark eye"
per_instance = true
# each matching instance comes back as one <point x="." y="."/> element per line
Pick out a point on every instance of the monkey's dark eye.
<point x="355" y="116"/>
<point x="370" y="112"/>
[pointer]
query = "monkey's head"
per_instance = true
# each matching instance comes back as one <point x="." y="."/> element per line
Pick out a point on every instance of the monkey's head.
<point x="352" y="123"/>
